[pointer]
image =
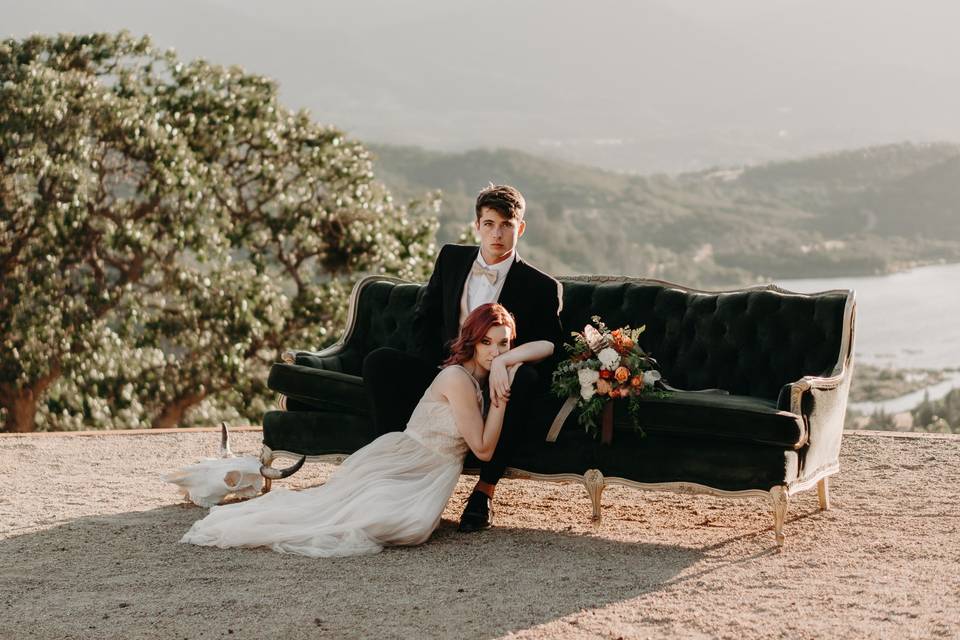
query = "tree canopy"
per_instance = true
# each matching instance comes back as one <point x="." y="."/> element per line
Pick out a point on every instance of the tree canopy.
<point x="166" y="229"/>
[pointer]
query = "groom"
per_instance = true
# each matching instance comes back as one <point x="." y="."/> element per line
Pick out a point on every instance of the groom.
<point x="464" y="277"/>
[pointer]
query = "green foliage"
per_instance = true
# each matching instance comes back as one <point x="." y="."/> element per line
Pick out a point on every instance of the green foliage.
<point x="589" y="412"/>
<point x="166" y="229"/>
<point x="858" y="212"/>
<point x="938" y="416"/>
<point x="882" y="421"/>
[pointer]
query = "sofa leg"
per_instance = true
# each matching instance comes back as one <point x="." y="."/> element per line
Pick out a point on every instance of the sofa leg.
<point x="266" y="459"/>
<point x="778" y="495"/>
<point x="595" y="484"/>
<point x="823" y="492"/>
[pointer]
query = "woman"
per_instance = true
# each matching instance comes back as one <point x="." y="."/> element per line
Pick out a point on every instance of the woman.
<point x="392" y="491"/>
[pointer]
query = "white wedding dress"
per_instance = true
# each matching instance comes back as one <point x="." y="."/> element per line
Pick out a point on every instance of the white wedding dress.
<point x="390" y="492"/>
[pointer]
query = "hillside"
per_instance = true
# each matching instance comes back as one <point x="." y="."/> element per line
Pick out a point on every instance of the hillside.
<point x="857" y="212"/>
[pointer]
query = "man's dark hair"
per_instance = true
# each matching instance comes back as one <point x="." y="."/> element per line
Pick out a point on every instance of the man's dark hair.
<point x="502" y="198"/>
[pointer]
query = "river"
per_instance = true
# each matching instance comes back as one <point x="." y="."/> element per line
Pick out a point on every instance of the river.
<point x="904" y="320"/>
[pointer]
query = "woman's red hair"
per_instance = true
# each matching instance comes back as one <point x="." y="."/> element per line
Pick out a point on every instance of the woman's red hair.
<point x="474" y="329"/>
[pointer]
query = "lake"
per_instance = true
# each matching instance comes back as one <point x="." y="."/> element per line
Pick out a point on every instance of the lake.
<point x="904" y="320"/>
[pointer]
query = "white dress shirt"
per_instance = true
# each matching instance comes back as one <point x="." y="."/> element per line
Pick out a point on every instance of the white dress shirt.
<point x="477" y="290"/>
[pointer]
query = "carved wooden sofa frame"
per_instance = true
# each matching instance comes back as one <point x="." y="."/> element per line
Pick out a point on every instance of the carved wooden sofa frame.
<point x="810" y="406"/>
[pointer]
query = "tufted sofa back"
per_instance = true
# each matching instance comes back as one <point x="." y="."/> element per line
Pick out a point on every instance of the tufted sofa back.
<point x="382" y="312"/>
<point x="749" y="342"/>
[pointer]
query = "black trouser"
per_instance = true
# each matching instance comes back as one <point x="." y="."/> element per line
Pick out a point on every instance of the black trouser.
<point x="395" y="381"/>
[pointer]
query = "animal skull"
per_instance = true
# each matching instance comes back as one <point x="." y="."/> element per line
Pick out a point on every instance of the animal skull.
<point x="210" y="481"/>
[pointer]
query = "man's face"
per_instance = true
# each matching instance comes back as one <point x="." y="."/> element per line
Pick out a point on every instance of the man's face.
<point x="498" y="235"/>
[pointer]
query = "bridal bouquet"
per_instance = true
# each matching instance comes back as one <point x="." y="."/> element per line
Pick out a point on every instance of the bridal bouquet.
<point x="605" y="365"/>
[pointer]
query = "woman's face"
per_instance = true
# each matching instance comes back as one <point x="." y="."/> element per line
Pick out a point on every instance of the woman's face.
<point x="495" y="342"/>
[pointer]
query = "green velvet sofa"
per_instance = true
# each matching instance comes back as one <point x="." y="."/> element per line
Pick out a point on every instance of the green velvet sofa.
<point x="784" y="360"/>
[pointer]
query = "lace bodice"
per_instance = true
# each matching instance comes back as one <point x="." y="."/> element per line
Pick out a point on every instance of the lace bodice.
<point x="432" y="423"/>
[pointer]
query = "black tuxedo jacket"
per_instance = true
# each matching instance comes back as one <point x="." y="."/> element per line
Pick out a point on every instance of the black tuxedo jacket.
<point x="533" y="297"/>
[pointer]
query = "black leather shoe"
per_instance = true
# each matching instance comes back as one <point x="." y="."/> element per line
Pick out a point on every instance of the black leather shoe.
<point x="476" y="515"/>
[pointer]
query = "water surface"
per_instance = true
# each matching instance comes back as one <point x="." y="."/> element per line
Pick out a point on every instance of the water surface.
<point x="904" y="320"/>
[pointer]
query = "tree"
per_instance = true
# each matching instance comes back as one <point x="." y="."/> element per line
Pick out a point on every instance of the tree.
<point x="166" y="228"/>
<point x="939" y="416"/>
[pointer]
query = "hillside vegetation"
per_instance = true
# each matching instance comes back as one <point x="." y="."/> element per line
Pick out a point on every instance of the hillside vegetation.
<point x="858" y="212"/>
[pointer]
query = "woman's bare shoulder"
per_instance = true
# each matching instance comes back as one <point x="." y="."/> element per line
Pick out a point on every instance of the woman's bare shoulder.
<point x="454" y="379"/>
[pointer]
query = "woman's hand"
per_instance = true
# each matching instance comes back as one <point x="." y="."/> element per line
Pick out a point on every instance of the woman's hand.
<point x="501" y="373"/>
<point x="500" y="381"/>
<point x="509" y="373"/>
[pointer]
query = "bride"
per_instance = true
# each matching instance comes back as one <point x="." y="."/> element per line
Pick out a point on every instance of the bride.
<point x="392" y="491"/>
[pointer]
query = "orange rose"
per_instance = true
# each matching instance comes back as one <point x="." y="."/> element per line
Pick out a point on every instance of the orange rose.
<point x="621" y="374"/>
<point x="603" y="387"/>
<point x="627" y="342"/>
<point x="605" y="374"/>
<point x="637" y="381"/>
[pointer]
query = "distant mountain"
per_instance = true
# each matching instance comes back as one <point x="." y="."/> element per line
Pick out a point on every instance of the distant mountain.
<point x="856" y="212"/>
<point x="636" y="86"/>
<point x="894" y="190"/>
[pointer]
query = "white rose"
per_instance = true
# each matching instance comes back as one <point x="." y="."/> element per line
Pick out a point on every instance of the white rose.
<point x="609" y="358"/>
<point x="587" y="391"/>
<point x="588" y="376"/>
<point x="649" y="377"/>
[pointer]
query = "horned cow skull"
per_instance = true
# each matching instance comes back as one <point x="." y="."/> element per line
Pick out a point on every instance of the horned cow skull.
<point x="209" y="482"/>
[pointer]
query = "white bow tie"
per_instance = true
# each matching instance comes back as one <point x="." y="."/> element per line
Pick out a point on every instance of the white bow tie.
<point x="479" y="270"/>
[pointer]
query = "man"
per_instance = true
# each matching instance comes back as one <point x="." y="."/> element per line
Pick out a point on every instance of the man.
<point x="464" y="277"/>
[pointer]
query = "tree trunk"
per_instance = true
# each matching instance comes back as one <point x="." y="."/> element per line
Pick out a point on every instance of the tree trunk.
<point x="21" y="403"/>
<point x="172" y="413"/>
<point x="21" y="409"/>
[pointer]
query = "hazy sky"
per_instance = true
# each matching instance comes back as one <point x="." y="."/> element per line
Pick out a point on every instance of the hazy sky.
<point x="633" y="85"/>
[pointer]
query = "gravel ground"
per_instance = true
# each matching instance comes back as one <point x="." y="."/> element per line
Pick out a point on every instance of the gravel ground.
<point x="89" y="531"/>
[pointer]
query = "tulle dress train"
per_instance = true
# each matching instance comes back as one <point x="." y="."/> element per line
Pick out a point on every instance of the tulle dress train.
<point x="390" y="492"/>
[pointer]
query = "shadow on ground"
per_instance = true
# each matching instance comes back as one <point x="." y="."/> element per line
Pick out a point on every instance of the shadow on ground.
<point x="127" y="576"/>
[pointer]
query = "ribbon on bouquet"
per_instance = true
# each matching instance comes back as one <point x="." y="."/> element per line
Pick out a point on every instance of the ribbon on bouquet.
<point x="568" y="406"/>
<point x="606" y="423"/>
<point x="606" y="420"/>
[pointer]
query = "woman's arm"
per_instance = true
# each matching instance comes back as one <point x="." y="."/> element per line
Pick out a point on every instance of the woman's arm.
<point x="528" y="352"/>
<point x="500" y="378"/>
<point x="461" y="393"/>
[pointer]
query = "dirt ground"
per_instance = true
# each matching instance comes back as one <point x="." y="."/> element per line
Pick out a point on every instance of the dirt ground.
<point x="89" y="545"/>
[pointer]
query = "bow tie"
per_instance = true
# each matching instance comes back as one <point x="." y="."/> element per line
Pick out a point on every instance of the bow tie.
<point x="489" y="274"/>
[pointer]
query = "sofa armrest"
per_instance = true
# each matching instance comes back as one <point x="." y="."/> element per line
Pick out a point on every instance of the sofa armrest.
<point x="328" y="359"/>
<point x="822" y="403"/>
<point x="792" y="393"/>
<point x="340" y="358"/>
<point x="322" y="389"/>
<point x="345" y="354"/>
